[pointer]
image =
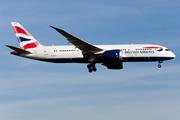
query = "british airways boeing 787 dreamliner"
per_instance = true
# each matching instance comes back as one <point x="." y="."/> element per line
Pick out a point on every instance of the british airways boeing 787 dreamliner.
<point x="111" y="56"/>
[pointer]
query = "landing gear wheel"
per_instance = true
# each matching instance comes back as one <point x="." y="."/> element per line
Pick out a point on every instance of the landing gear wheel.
<point x="90" y="70"/>
<point x="94" y="69"/>
<point x="91" y="67"/>
<point x="159" y="66"/>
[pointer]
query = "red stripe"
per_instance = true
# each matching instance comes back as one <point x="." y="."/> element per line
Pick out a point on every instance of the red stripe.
<point x="153" y="47"/>
<point x="17" y="53"/>
<point x="20" y="30"/>
<point x="30" y="45"/>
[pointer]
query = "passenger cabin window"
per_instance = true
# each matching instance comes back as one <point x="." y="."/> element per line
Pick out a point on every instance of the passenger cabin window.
<point x="67" y="50"/>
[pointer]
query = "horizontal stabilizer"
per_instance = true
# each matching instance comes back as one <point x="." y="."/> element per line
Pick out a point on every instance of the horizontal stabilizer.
<point x="18" y="49"/>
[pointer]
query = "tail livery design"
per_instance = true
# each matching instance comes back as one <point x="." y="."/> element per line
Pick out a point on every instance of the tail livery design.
<point x="25" y="39"/>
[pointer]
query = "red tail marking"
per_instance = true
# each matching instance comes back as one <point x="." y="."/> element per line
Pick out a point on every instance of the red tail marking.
<point x="20" y="30"/>
<point x="30" y="45"/>
<point x="17" y="53"/>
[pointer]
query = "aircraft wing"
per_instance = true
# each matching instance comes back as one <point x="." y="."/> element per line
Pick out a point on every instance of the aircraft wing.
<point x="82" y="45"/>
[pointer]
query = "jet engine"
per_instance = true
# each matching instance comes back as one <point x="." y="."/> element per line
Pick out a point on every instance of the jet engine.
<point x="113" y="55"/>
<point x="116" y="65"/>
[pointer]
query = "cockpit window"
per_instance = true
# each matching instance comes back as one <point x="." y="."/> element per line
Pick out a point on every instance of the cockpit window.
<point x="167" y="49"/>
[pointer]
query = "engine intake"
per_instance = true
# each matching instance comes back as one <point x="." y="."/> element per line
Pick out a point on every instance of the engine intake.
<point x="113" y="55"/>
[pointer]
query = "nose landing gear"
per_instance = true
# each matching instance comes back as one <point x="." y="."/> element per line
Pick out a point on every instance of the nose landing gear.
<point x="159" y="65"/>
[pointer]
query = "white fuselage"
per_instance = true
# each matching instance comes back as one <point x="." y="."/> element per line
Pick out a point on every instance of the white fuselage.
<point x="131" y="53"/>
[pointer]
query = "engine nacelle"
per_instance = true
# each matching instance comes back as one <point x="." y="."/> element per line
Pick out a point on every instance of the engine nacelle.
<point x="116" y="65"/>
<point x="113" y="55"/>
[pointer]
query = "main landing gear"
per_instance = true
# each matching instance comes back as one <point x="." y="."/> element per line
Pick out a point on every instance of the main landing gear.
<point x="159" y="65"/>
<point x="91" y="67"/>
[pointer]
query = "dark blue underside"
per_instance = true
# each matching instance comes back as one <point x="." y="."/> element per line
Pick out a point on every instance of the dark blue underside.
<point x="124" y="59"/>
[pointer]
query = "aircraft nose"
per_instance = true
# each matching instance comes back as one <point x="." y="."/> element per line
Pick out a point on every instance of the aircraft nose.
<point x="173" y="55"/>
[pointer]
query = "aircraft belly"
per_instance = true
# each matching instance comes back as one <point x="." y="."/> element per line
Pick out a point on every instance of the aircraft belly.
<point x="64" y="58"/>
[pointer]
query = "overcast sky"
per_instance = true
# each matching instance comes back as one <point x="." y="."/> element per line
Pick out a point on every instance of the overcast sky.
<point x="34" y="90"/>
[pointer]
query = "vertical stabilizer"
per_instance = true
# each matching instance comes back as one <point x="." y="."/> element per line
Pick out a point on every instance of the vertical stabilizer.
<point x="26" y="40"/>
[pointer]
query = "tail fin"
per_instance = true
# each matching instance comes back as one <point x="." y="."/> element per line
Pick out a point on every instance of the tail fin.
<point x="25" y="39"/>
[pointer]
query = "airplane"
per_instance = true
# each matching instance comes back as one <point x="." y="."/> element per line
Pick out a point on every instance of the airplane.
<point x="111" y="56"/>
